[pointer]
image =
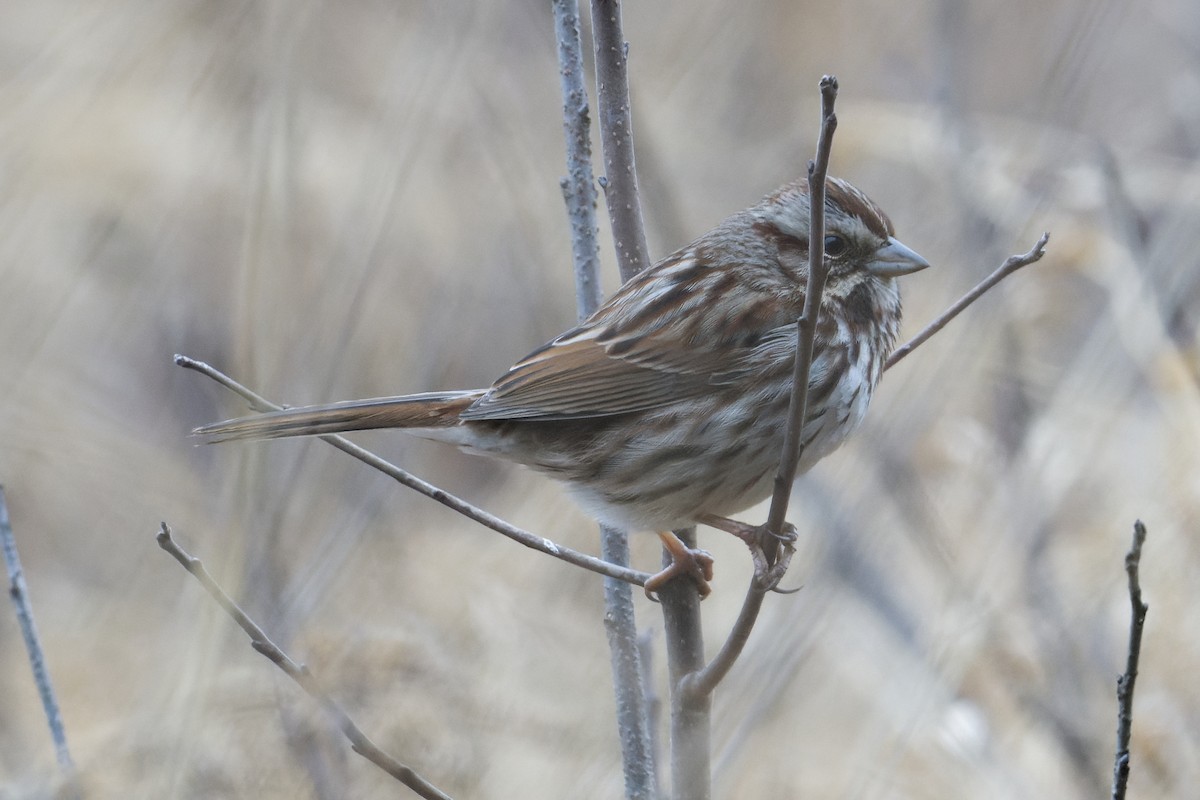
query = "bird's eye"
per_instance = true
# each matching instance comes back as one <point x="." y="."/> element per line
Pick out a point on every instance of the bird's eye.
<point x="835" y="245"/>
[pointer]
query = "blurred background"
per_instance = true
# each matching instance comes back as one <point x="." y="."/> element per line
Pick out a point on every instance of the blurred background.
<point x="331" y="200"/>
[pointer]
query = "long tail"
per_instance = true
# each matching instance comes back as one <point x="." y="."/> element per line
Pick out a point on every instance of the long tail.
<point x="431" y="410"/>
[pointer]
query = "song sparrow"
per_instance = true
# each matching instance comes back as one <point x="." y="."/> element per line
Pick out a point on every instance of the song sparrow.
<point x="667" y="406"/>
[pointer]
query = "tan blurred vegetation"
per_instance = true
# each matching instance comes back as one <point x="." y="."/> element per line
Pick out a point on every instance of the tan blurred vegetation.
<point x="341" y="199"/>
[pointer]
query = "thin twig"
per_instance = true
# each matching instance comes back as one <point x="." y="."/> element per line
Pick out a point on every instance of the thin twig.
<point x="530" y="540"/>
<point x="616" y="138"/>
<point x="703" y="682"/>
<point x="1011" y="265"/>
<point x="766" y="577"/>
<point x="299" y="673"/>
<point x="19" y="592"/>
<point x="806" y="326"/>
<point x="1133" y="560"/>
<point x="620" y="622"/>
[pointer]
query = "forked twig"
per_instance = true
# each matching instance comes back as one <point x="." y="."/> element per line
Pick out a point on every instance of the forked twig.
<point x="519" y="535"/>
<point x="299" y="673"/>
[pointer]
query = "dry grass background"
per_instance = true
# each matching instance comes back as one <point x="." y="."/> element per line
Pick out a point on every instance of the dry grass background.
<point x="333" y="200"/>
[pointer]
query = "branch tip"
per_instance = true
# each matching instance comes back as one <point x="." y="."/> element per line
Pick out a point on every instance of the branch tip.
<point x="1010" y="265"/>
<point x="1125" y="683"/>
<point x="768" y="574"/>
<point x="359" y="741"/>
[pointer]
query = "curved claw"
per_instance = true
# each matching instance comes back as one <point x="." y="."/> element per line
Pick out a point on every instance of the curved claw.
<point x="770" y="551"/>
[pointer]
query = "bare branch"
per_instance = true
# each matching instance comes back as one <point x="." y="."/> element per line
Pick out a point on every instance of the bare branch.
<point x="632" y="706"/>
<point x="766" y="577"/>
<point x="680" y="605"/>
<point x="1011" y="265"/>
<point x="19" y="592"/>
<point x="579" y="185"/>
<point x="616" y="138"/>
<point x="703" y="682"/>
<point x="620" y="622"/>
<point x="530" y="540"/>
<point x="1133" y="560"/>
<point x="806" y="326"/>
<point x="691" y="712"/>
<point x="299" y="673"/>
<point x="645" y="644"/>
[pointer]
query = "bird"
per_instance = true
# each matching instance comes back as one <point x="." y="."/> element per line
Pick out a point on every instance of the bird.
<point x="667" y="406"/>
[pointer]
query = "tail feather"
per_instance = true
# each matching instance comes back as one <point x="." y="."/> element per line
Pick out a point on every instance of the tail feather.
<point x="431" y="410"/>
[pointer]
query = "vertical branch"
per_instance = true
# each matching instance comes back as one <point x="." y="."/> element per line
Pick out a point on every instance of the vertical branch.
<point x="702" y="683"/>
<point x="19" y="593"/>
<point x="579" y="192"/>
<point x="806" y="327"/>
<point x="681" y="605"/>
<point x="633" y="716"/>
<point x="578" y="187"/>
<point x="691" y="713"/>
<point x="616" y="138"/>
<point x="1133" y="560"/>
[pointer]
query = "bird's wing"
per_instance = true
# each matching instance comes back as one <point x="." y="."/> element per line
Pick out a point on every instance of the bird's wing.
<point x="670" y="334"/>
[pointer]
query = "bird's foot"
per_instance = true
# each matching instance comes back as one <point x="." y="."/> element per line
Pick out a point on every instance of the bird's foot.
<point x="765" y="546"/>
<point x="752" y="535"/>
<point x="694" y="563"/>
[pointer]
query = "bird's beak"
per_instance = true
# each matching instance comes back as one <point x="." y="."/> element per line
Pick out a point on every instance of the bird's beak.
<point x="895" y="259"/>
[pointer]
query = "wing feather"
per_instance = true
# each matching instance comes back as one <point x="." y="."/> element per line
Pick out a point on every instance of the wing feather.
<point x="625" y="359"/>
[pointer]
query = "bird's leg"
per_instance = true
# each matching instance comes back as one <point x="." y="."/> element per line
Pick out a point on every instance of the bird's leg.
<point x="697" y="564"/>
<point x="752" y="535"/>
<point x="763" y="543"/>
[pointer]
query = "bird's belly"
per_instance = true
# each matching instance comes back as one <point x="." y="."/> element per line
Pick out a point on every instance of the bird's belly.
<point x="662" y="469"/>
